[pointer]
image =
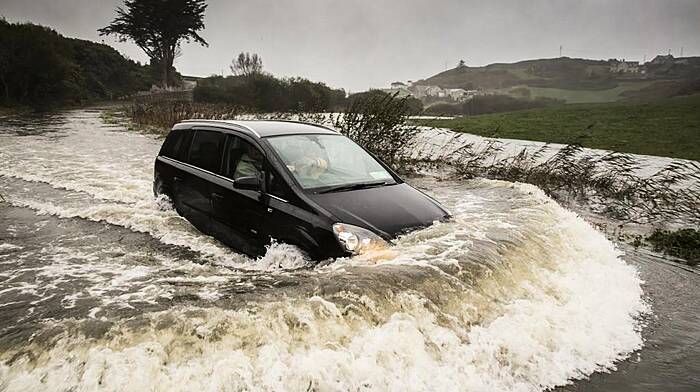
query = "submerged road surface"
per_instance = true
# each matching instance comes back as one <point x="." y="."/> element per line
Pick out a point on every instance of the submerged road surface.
<point x="102" y="287"/>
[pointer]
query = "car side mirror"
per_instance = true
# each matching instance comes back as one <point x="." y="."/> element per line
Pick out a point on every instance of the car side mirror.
<point x="251" y="183"/>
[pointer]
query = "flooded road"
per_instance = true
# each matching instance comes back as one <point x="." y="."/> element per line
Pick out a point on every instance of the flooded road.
<point x="102" y="287"/>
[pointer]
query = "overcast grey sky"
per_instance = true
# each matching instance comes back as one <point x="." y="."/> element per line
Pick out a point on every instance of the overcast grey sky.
<point x="370" y="43"/>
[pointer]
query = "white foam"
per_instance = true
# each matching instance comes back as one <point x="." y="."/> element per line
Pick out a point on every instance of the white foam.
<point x="8" y="247"/>
<point x="567" y="316"/>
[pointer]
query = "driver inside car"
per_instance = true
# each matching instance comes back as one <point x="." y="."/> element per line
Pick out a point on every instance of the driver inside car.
<point x="250" y="163"/>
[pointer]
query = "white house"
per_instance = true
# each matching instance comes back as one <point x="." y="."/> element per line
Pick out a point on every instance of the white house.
<point x="623" y="66"/>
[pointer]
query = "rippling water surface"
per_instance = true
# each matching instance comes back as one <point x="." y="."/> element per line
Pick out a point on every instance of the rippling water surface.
<point x="102" y="287"/>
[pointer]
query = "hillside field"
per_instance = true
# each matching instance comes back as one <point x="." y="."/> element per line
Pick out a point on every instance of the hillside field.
<point x="668" y="127"/>
<point x="573" y="80"/>
<point x="578" y="96"/>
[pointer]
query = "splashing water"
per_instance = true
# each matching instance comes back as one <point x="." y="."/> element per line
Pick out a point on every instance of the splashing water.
<point x="104" y="288"/>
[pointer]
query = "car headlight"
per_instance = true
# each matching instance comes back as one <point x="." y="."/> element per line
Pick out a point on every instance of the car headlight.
<point x="356" y="239"/>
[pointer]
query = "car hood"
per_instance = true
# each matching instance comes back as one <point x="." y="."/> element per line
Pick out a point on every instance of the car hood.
<point x="388" y="210"/>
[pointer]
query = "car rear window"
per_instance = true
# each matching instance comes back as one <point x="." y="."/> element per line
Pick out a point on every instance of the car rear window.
<point x="177" y="145"/>
<point x="206" y="150"/>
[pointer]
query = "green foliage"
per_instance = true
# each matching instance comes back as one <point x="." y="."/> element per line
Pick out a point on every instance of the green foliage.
<point x="158" y="27"/>
<point x="484" y="104"/>
<point x="379" y="122"/>
<point x="411" y="105"/>
<point x="684" y="243"/>
<point x="39" y="67"/>
<point x="260" y="92"/>
<point x="669" y="127"/>
<point x="165" y="114"/>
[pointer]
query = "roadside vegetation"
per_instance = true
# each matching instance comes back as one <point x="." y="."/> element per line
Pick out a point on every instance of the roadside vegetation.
<point x="379" y="122"/>
<point x="249" y="88"/>
<point x="684" y="244"/>
<point x="375" y="104"/>
<point x="668" y="127"/>
<point x="486" y="104"/>
<point x="261" y="92"/>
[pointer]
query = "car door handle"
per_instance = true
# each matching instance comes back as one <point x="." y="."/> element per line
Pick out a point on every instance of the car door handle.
<point x="217" y="196"/>
<point x="177" y="179"/>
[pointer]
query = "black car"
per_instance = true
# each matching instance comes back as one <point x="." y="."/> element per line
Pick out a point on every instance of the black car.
<point x="247" y="182"/>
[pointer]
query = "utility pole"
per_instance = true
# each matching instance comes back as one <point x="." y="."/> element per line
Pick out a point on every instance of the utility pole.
<point x="681" y="51"/>
<point x="560" y="48"/>
<point x="645" y="59"/>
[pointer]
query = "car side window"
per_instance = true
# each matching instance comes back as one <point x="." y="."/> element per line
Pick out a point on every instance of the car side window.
<point x="182" y="146"/>
<point x="206" y="149"/>
<point x="171" y="143"/>
<point x="243" y="159"/>
<point x="177" y="144"/>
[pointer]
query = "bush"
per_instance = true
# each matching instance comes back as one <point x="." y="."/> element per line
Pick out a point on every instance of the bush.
<point x="684" y="243"/>
<point x="379" y="122"/>
<point x="413" y="106"/>
<point x="264" y="93"/>
<point x="165" y="114"/>
<point x="486" y="104"/>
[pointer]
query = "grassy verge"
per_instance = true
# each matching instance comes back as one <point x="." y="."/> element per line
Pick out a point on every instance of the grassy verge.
<point x="684" y="243"/>
<point x="669" y="127"/>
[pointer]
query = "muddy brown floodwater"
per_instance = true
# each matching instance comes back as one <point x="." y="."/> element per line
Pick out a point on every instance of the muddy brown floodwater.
<point x="102" y="287"/>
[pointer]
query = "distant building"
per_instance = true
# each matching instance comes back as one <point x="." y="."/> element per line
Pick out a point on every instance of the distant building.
<point x="419" y="91"/>
<point x="617" y="66"/>
<point x="435" y="91"/>
<point x="458" y="94"/>
<point x="422" y="91"/>
<point x="189" y="82"/>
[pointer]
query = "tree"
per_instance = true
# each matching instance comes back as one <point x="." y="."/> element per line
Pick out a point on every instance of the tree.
<point x="246" y="64"/>
<point x="158" y="27"/>
<point x="461" y="64"/>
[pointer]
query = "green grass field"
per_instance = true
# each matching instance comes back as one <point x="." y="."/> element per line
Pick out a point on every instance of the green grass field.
<point x="668" y="127"/>
<point x="589" y="96"/>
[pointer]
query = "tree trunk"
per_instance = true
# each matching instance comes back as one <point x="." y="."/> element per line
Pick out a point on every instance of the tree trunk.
<point x="164" y="64"/>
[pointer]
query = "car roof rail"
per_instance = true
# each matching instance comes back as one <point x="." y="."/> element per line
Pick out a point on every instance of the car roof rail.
<point x="314" y="124"/>
<point x="241" y="123"/>
<point x="229" y="122"/>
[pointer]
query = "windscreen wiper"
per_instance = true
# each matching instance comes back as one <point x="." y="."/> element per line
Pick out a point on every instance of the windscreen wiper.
<point x="351" y="187"/>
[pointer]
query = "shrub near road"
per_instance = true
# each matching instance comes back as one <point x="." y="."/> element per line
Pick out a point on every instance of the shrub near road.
<point x="262" y="92"/>
<point x="668" y="127"/>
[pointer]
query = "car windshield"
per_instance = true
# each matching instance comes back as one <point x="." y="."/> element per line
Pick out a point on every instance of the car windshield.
<point x="321" y="161"/>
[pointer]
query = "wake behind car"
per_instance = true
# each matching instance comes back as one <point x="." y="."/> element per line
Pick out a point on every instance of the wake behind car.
<point x="248" y="182"/>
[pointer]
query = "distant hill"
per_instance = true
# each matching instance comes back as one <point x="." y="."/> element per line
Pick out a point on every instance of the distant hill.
<point x="576" y="80"/>
<point x="39" y="67"/>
